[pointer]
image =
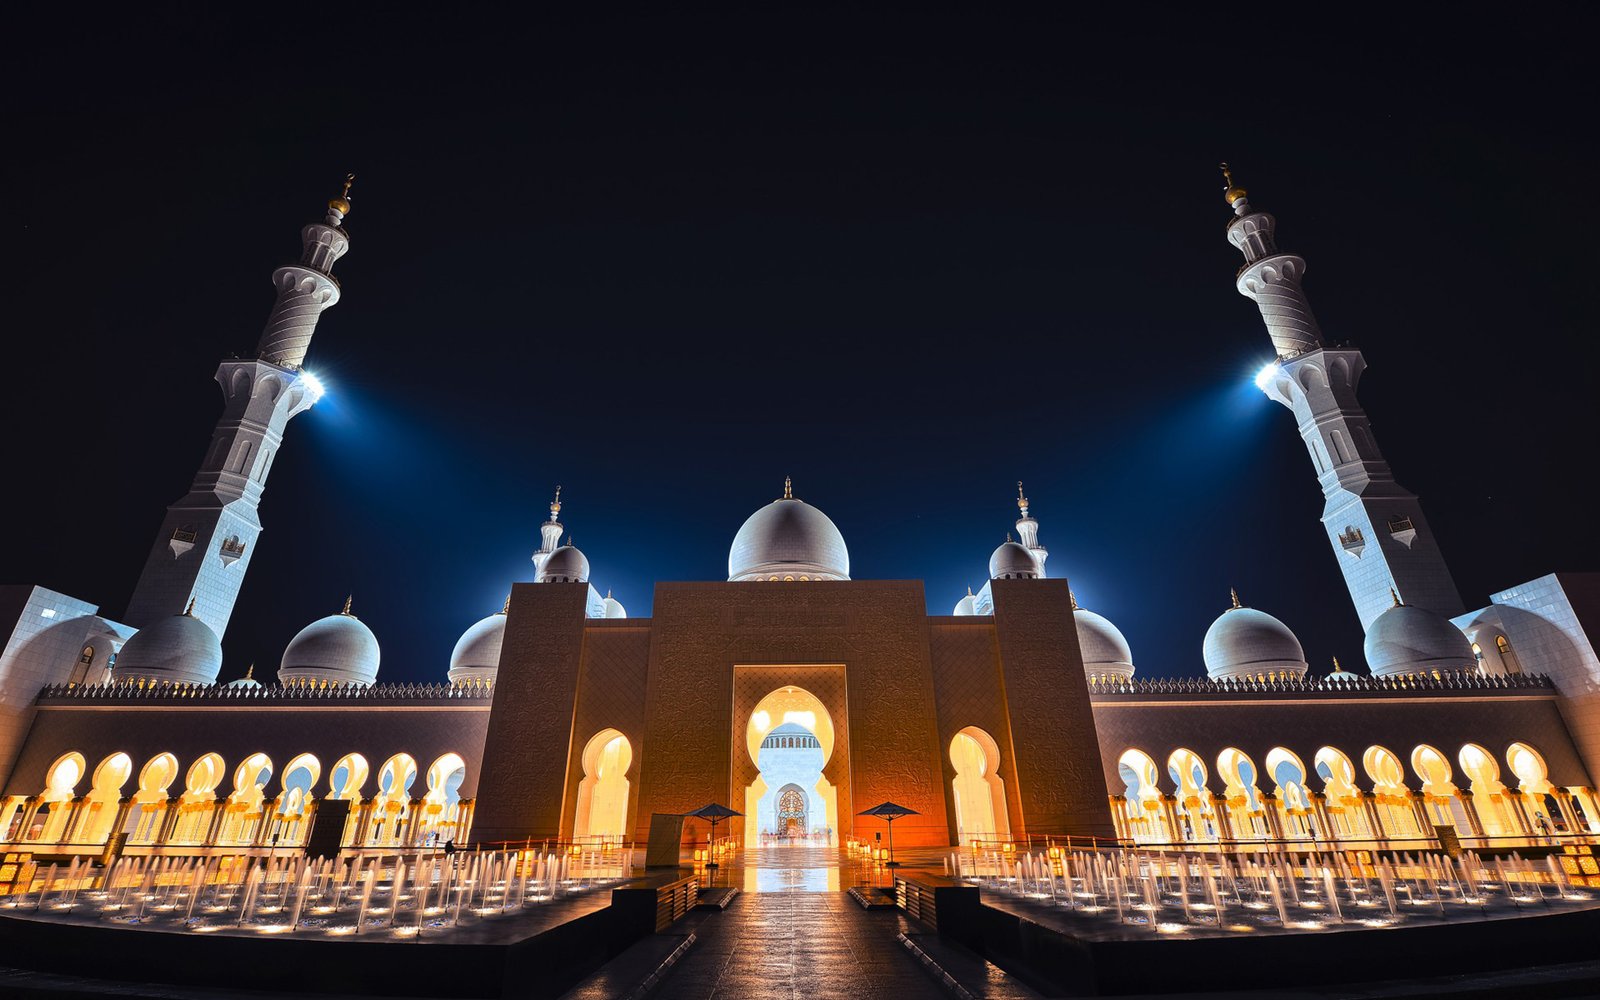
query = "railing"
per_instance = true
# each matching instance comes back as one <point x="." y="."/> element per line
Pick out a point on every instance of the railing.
<point x="1410" y="684"/>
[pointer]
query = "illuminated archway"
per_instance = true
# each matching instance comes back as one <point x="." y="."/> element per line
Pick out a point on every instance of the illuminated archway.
<point x="1391" y="798"/>
<point x="294" y="801"/>
<point x="1146" y="821"/>
<point x="798" y="755"/>
<point x="1344" y="801"/>
<point x="198" y="801"/>
<point x="979" y="792"/>
<point x="1438" y="788"/>
<point x="1246" y="808"/>
<point x="101" y="803"/>
<point x="392" y="805"/>
<point x="1490" y="798"/>
<point x="1188" y="773"/>
<point x="348" y="777"/>
<point x="247" y="800"/>
<point x="441" y="803"/>
<point x="150" y="801"/>
<point x="60" y="782"/>
<point x="1288" y="773"/>
<point x="603" y="792"/>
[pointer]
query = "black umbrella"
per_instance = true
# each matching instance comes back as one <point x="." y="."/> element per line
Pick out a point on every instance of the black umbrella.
<point x="713" y="813"/>
<point x="889" y="812"/>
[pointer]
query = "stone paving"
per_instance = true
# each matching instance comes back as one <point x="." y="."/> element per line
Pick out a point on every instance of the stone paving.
<point x="794" y="944"/>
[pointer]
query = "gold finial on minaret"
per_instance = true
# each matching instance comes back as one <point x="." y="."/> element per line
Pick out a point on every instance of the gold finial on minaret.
<point x="1233" y="593"/>
<point x="1231" y="191"/>
<point x="506" y="608"/>
<point x="1336" y="668"/>
<point x="1022" y="501"/>
<point x="788" y="488"/>
<point x="1394" y="597"/>
<point x="190" y="609"/>
<point x="555" y="505"/>
<point x="347" y="599"/>
<point x="1073" y="598"/>
<point x="250" y="672"/>
<point x="969" y="590"/>
<point x="341" y="204"/>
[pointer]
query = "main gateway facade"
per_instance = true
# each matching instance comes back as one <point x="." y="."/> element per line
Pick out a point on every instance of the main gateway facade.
<point x="792" y="692"/>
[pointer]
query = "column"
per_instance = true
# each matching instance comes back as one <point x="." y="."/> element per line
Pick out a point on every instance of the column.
<point x="69" y="828"/>
<point x="1269" y="804"/>
<point x="1374" y="821"/>
<point x="413" y="815"/>
<point x="219" y="809"/>
<point x="1519" y="810"/>
<point x="1169" y="807"/>
<point x="169" y="821"/>
<point x="1219" y="808"/>
<point x="1471" y="809"/>
<point x="1326" y="830"/>
<point x="363" y="824"/>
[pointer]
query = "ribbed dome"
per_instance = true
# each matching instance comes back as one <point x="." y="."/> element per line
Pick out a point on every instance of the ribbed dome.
<point x="181" y="649"/>
<point x="788" y="539"/>
<point x="338" y="649"/>
<point x="1244" y="642"/>
<point x="244" y="683"/>
<point x="1105" y="650"/>
<point x="614" y="608"/>
<point x="1407" y="639"/>
<point x="966" y="606"/>
<point x="565" y="565"/>
<point x="1013" y="561"/>
<point x="477" y="653"/>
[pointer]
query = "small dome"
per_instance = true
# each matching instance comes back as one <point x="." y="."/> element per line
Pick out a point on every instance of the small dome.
<point x="1339" y="678"/>
<point x="614" y="608"/>
<point x="181" y="649"/>
<point x="966" y="606"/>
<point x="1245" y="643"/>
<point x="477" y="653"/>
<point x="565" y="565"/>
<point x="1105" y="650"/>
<point x="246" y="682"/>
<point x="788" y="539"/>
<point x="1407" y="639"/>
<point x="1013" y="561"/>
<point x="338" y="649"/>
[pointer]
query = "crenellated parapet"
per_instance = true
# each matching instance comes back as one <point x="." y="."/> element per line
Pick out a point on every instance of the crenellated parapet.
<point x="1321" y="687"/>
<point x="375" y="695"/>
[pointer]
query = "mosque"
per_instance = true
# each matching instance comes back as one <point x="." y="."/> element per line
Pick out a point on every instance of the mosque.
<point x="791" y="691"/>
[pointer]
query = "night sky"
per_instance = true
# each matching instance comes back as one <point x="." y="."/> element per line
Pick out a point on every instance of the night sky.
<point x="907" y="260"/>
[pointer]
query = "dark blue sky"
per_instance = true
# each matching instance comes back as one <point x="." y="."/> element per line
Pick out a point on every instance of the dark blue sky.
<point x="907" y="261"/>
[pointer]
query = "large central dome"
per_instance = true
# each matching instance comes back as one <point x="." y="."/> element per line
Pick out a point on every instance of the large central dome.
<point x="788" y="539"/>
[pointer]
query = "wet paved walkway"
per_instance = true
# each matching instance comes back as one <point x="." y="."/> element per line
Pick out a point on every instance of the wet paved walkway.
<point x="794" y="944"/>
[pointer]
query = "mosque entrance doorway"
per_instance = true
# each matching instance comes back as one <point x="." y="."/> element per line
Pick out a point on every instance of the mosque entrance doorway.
<point x="790" y="802"/>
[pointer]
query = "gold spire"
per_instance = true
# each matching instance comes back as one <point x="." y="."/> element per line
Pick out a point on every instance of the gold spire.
<point x="608" y="593"/>
<point x="1231" y="191"/>
<point x="788" y="488"/>
<point x="250" y="672"/>
<point x="1073" y="598"/>
<point x="1235" y="595"/>
<point x="506" y="608"/>
<point x="347" y="600"/>
<point x="555" y="505"/>
<point x="341" y="204"/>
<point x="1395" y="597"/>
<point x="190" y="609"/>
<point x="1022" y="501"/>
<point x="1008" y="536"/>
<point x="969" y="590"/>
<point x="1336" y="668"/>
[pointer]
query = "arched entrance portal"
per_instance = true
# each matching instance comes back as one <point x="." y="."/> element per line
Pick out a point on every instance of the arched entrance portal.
<point x="790" y="737"/>
<point x="603" y="792"/>
<point x="980" y="795"/>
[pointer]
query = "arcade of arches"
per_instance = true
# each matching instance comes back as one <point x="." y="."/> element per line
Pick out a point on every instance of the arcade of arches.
<point x="1387" y="798"/>
<point x="174" y="807"/>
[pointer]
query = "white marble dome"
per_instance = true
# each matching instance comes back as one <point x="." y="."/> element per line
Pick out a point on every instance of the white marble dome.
<point x="181" y="649"/>
<point x="1105" y="649"/>
<point x="1408" y="640"/>
<point x="968" y="605"/>
<point x="614" y="608"/>
<point x="1246" y="643"/>
<point x="565" y="565"/>
<point x="1013" y="561"/>
<point x="476" y="657"/>
<point x="338" y="649"/>
<point x="788" y="539"/>
<point x="246" y="683"/>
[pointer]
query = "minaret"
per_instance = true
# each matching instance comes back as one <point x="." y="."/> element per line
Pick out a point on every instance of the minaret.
<point x="1028" y="531"/>
<point x="208" y="536"/>
<point x="549" y="535"/>
<point x="1374" y="524"/>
